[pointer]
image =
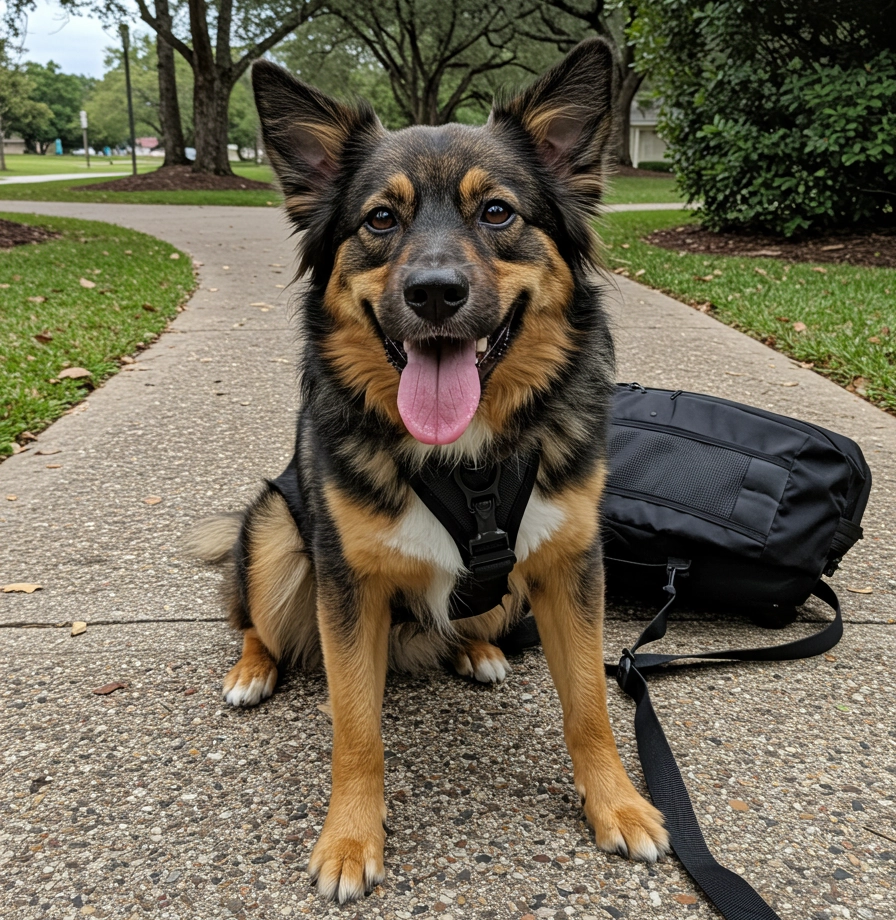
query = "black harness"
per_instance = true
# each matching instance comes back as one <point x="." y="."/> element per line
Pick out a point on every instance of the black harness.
<point x="480" y="508"/>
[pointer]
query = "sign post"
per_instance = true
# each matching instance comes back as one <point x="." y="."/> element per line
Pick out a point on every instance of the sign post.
<point x="84" y="134"/>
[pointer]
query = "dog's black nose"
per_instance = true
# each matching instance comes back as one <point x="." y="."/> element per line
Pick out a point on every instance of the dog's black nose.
<point x="436" y="294"/>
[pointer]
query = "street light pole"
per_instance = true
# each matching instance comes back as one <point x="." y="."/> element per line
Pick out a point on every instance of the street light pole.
<point x="125" y="43"/>
<point x="84" y="135"/>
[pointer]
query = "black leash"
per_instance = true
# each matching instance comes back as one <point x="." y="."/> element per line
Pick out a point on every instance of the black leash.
<point x="731" y="894"/>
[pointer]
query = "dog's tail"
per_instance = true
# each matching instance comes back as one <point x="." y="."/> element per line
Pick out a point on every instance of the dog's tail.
<point x="212" y="539"/>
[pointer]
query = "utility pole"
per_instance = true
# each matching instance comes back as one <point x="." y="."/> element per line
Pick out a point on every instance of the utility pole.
<point x="125" y="43"/>
<point x="84" y="135"/>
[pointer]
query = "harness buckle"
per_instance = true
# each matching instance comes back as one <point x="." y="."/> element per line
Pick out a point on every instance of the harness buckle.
<point x="490" y="552"/>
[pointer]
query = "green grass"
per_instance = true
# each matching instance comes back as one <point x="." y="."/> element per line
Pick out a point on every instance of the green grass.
<point x="849" y="312"/>
<point x="138" y="289"/>
<point x="646" y="190"/>
<point x="66" y="190"/>
<point x="32" y="164"/>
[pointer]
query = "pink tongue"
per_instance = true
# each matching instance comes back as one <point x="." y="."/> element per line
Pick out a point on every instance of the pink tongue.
<point x="439" y="390"/>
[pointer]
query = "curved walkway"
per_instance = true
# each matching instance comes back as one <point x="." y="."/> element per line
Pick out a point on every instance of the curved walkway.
<point x="159" y="798"/>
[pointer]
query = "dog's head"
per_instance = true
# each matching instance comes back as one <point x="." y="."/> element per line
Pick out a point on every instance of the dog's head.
<point x="446" y="257"/>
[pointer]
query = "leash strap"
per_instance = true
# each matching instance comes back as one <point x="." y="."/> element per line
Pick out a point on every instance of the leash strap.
<point x="731" y="894"/>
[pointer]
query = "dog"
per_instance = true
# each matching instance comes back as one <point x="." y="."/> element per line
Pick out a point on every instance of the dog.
<point x="449" y="323"/>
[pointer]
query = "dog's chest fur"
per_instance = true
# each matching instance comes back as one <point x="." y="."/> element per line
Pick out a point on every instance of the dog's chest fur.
<point x="418" y="534"/>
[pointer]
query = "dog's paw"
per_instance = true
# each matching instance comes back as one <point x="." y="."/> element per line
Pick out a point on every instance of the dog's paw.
<point x="345" y="868"/>
<point x="481" y="660"/>
<point x="250" y="682"/>
<point x="626" y="823"/>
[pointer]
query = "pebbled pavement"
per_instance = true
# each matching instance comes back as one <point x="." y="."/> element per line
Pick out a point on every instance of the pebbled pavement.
<point x="159" y="800"/>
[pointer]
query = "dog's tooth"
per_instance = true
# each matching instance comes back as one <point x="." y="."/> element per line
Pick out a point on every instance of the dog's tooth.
<point x="481" y="345"/>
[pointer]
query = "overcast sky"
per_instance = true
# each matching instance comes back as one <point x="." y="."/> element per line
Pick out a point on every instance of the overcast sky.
<point x="76" y="43"/>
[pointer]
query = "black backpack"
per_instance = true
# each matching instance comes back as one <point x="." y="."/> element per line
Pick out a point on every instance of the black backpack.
<point x="735" y="507"/>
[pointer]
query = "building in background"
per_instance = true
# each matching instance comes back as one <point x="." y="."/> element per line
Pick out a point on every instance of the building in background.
<point x="645" y="144"/>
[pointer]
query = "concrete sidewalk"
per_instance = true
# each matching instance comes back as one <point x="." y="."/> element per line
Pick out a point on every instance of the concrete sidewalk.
<point x="158" y="799"/>
<point x="58" y="177"/>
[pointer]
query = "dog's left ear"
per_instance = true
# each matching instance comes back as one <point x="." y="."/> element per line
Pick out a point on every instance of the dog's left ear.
<point x="567" y="113"/>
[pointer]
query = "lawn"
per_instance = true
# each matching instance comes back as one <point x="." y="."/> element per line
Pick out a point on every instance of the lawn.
<point x="32" y="164"/>
<point x="83" y="300"/>
<point x="642" y="190"/>
<point x="841" y="319"/>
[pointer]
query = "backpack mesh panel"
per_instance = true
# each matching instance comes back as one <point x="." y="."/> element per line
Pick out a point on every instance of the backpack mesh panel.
<point x="693" y="474"/>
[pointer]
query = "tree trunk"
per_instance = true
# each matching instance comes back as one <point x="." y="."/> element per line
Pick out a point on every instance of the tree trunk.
<point x="169" y="107"/>
<point x="210" y="102"/>
<point x="626" y="88"/>
<point x="2" y="151"/>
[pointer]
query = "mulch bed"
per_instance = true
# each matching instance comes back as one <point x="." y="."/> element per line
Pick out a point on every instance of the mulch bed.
<point x="640" y="173"/>
<point x="13" y="234"/>
<point x="873" y="248"/>
<point x="174" y="179"/>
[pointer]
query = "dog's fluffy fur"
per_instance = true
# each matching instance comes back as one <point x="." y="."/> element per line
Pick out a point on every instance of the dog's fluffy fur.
<point x="374" y="207"/>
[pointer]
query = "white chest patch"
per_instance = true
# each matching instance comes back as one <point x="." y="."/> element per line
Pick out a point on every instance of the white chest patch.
<point x="420" y="535"/>
<point x="541" y="519"/>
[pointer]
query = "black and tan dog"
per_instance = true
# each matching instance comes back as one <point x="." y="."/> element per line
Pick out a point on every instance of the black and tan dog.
<point x="449" y="319"/>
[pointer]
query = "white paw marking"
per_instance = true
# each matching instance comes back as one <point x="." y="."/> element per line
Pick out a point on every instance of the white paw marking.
<point x="492" y="670"/>
<point x="251" y="693"/>
<point x="540" y="520"/>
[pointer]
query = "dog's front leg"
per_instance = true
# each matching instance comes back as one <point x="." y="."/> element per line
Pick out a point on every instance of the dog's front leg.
<point x="568" y="602"/>
<point x="354" y="627"/>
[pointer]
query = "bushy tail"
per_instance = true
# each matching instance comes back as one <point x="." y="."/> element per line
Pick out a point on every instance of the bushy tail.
<point x="213" y="538"/>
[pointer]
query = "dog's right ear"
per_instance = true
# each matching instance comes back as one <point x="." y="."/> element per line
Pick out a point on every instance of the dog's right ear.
<point x="306" y="135"/>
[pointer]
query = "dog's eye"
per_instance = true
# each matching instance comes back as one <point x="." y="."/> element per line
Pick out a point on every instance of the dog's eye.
<point x="381" y="219"/>
<point x="497" y="213"/>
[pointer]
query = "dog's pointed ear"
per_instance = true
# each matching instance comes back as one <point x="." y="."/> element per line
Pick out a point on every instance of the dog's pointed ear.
<point x="568" y="114"/>
<point x="307" y="135"/>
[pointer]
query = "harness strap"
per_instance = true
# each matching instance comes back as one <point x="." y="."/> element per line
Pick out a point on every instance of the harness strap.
<point x="482" y="510"/>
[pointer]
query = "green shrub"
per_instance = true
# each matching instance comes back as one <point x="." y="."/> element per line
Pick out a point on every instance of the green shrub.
<point x="790" y="131"/>
<point x="655" y="165"/>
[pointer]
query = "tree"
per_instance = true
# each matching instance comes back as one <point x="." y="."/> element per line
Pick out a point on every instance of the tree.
<point x="19" y="110"/>
<point x="790" y="131"/>
<point x="436" y="54"/>
<point x="63" y="94"/>
<point x="218" y="41"/>
<point x="172" y="131"/>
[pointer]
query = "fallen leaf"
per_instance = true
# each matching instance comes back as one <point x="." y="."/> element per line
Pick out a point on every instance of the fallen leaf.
<point x="74" y="373"/>
<point x="110" y="688"/>
<point x="685" y="899"/>
<point x="807" y="365"/>
<point x="833" y="247"/>
<point x="874" y="340"/>
<point x="174" y="255"/>
<point x="766" y="252"/>
<point x="28" y="436"/>
<point x="17" y="448"/>
<point x="54" y="466"/>
<point x="152" y="500"/>
<point x="213" y="290"/>
<point x="734" y="374"/>
<point x="47" y="453"/>
<point x="37" y="299"/>
<point x="22" y="587"/>
<point x="799" y="327"/>
<point x="640" y="272"/>
<point x="790" y="383"/>
<point x="43" y="337"/>
<point x="860" y="590"/>
<point x="78" y="627"/>
<point x="87" y="284"/>
<point x="149" y="308"/>
<point x="704" y="277"/>
<point x="761" y="271"/>
<point x="738" y="805"/>
<point x="819" y="269"/>
<point x="829" y="658"/>
<point x="12" y="498"/>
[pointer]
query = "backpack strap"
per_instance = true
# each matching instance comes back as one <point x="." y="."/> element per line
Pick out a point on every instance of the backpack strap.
<point x="731" y="894"/>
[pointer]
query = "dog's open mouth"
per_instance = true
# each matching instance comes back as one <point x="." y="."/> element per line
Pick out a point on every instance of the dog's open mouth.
<point x="441" y="381"/>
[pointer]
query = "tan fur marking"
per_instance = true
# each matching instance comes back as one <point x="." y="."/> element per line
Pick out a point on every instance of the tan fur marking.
<point x="362" y="532"/>
<point x="280" y="582"/>
<point x="572" y="639"/>
<point x="348" y="856"/>
<point x="398" y="191"/>
<point x="545" y="341"/>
